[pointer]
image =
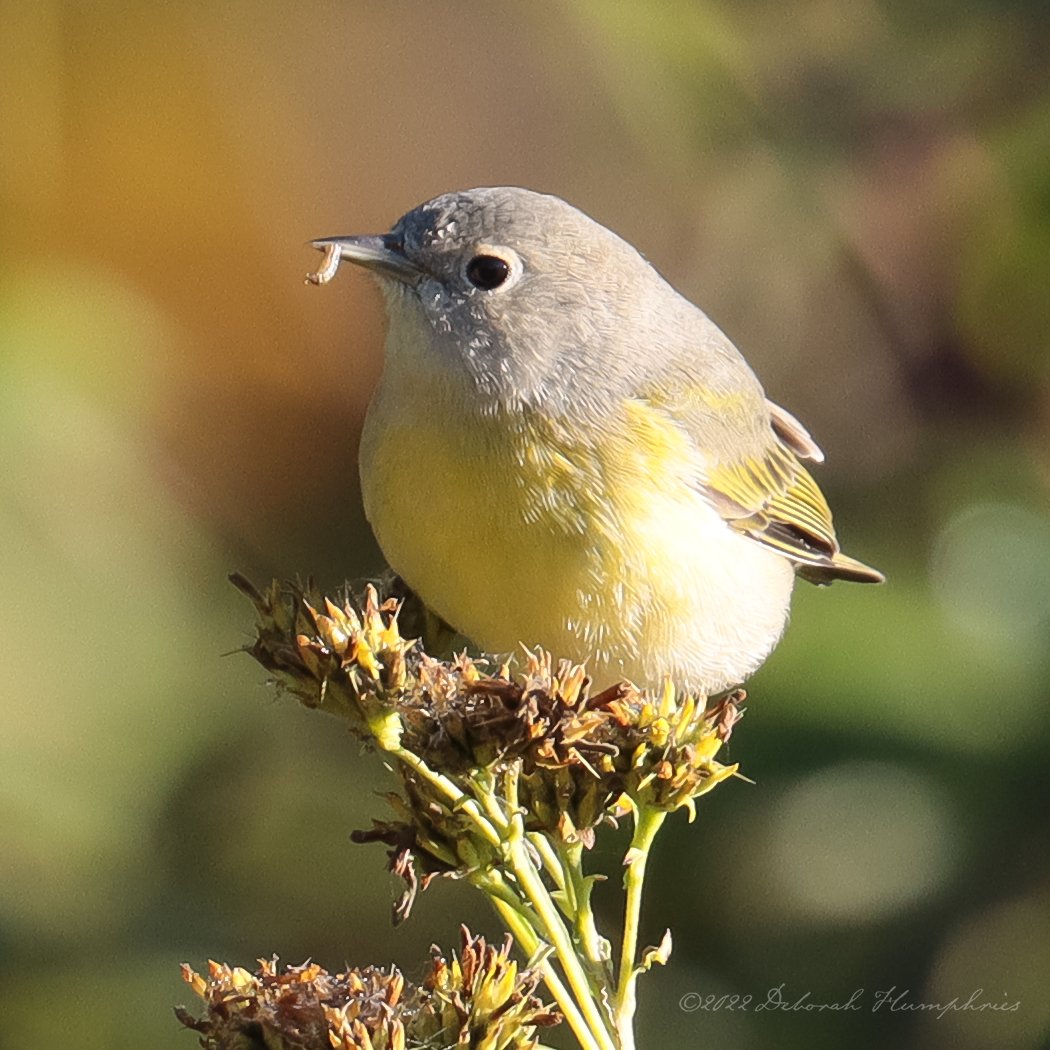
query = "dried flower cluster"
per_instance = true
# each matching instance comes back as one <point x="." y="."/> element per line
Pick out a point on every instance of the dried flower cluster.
<point x="505" y="777"/>
<point x="479" y="999"/>
<point x="581" y="754"/>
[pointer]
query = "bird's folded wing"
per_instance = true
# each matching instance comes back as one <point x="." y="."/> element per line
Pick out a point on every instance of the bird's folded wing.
<point x="773" y="499"/>
<point x="762" y="490"/>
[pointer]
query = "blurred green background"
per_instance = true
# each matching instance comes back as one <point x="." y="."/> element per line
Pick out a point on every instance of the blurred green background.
<point x="858" y="193"/>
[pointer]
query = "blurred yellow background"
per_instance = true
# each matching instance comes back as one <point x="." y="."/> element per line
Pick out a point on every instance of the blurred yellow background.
<point x="858" y="193"/>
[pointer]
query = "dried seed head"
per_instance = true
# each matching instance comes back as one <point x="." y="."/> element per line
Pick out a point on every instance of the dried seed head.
<point x="478" y="998"/>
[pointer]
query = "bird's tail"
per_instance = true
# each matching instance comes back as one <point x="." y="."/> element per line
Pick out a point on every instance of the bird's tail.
<point x="839" y="567"/>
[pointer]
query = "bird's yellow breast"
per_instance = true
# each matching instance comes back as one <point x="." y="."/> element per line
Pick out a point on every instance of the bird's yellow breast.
<point x="517" y="529"/>
<point x="468" y="514"/>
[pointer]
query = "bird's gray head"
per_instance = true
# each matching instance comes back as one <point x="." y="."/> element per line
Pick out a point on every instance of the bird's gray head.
<point x="525" y="295"/>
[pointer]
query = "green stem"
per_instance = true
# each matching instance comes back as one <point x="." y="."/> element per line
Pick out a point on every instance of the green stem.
<point x="548" y="919"/>
<point x="486" y="792"/>
<point x="647" y="823"/>
<point x="495" y="887"/>
<point x="590" y="941"/>
<point x="455" y="795"/>
<point x="552" y="863"/>
<point x="530" y="944"/>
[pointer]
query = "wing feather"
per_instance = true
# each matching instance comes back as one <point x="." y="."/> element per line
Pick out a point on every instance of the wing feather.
<point x="793" y="434"/>
<point x="764" y="491"/>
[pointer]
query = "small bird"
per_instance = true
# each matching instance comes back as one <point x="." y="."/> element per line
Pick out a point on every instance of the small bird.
<point x="564" y="452"/>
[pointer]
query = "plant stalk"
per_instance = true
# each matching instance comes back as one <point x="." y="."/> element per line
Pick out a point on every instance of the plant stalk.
<point x="647" y="823"/>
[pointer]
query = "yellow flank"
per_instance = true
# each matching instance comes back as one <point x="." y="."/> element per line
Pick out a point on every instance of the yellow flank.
<point x="702" y="397"/>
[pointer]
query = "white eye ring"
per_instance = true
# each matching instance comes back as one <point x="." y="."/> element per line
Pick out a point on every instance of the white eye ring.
<point x="493" y="268"/>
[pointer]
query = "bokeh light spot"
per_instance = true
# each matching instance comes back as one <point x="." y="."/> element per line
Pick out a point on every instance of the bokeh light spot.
<point x="991" y="576"/>
<point x="1002" y="954"/>
<point x="859" y="841"/>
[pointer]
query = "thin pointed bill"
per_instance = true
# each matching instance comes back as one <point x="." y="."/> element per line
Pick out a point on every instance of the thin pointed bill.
<point x="383" y="254"/>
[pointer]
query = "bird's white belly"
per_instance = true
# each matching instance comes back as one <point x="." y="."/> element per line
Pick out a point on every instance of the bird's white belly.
<point x="703" y="604"/>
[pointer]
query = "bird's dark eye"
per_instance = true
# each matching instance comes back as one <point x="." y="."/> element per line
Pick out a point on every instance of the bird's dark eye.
<point x="487" y="271"/>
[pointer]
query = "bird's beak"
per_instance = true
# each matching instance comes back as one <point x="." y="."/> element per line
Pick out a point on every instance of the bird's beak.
<point x="384" y="254"/>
